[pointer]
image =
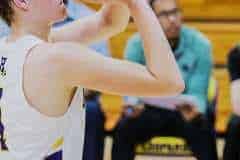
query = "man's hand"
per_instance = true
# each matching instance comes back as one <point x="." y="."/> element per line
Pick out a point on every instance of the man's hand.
<point x="188" y="111"/>
<point x="133" y="111"/>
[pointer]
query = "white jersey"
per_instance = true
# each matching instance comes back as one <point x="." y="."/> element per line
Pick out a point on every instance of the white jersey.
<point x="28" y="134"/>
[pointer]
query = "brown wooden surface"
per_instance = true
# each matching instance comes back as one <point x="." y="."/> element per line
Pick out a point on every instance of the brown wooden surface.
<point x="211" y="9"/>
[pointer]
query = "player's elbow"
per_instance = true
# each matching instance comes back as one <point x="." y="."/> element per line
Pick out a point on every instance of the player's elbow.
<point x="176" y="86"/>
<point x="180" y="86"/>
<point x="172" y="87"/>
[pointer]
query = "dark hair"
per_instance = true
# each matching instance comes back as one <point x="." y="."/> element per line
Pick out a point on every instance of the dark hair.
<point x="6" y="11"/>
<point x="65" y="2"/>
<point x="151" y="2"/>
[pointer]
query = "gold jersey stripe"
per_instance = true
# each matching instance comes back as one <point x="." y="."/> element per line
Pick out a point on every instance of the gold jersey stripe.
<point x="57" y="144"/>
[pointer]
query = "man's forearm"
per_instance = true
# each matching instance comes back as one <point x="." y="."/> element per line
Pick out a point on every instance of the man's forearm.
<point x="172" y="102"/>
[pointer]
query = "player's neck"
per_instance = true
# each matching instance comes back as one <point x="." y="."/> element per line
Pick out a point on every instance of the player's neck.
<point x="42" y="31"/>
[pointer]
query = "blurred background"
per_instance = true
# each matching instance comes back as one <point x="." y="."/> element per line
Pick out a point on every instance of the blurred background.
<point x="219" y="20"/>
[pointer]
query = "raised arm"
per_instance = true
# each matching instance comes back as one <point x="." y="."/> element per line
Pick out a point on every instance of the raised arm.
<point x="87" y="68"/>
<point x="159" y="57"/>
<point x="110" y="20"/>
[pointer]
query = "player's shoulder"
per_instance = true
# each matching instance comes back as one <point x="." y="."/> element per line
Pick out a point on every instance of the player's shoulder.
<point x="61" y="53"/>
<point x="42" y="50"/>
<point x="49" y="49"/>
<point x="46" y="55"/>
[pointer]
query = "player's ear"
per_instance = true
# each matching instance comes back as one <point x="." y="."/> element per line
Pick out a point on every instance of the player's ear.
<point x="21" y="4"/>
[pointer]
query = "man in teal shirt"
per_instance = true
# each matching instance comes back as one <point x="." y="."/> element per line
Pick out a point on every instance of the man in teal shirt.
<point x="193" y="54"/>
<point x="182" y="116"/>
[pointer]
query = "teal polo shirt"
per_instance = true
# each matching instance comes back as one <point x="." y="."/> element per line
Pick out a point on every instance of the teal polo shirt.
<point x="194" y="57"/>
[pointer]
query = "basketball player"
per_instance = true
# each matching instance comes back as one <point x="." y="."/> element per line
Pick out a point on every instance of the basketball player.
<point x="40" y="69"/>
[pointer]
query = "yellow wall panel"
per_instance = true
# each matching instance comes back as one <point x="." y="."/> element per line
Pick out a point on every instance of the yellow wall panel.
<point x="222" y="35"/>
<point x="224" y="108"/>
<point x="211" y="9"/>
<point x="117" y="43"/>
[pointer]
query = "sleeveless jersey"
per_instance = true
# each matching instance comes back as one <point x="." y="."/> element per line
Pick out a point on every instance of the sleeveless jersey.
<point x="28" y="134"/>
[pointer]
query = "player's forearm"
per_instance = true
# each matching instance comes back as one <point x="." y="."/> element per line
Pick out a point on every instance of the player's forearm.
<point x="110" y="20"/>
<point x="160" y="59"/>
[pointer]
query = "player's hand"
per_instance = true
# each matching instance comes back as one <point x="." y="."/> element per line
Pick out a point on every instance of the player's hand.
<point x="127" y="2"/>
<point x="91" y="1"/>
<point x="130" y="3"/>
<point x="100" y="1"/>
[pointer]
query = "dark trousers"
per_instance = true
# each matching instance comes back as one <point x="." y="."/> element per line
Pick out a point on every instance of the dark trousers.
<point x="94" y="131"/>
<point x="232" y="147"/>
<point x="161" y="122"/>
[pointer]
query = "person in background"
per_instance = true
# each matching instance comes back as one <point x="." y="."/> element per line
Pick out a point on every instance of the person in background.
<point x="182" y="116"/>
<point x="232" y="147"/>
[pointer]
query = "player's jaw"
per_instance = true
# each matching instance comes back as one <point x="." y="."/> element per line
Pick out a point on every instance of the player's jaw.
<point x="48" y="11"/>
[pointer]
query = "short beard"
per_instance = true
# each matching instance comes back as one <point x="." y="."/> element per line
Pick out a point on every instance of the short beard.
<point x="174" y="42"/>
<point x="65" y="2"/>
